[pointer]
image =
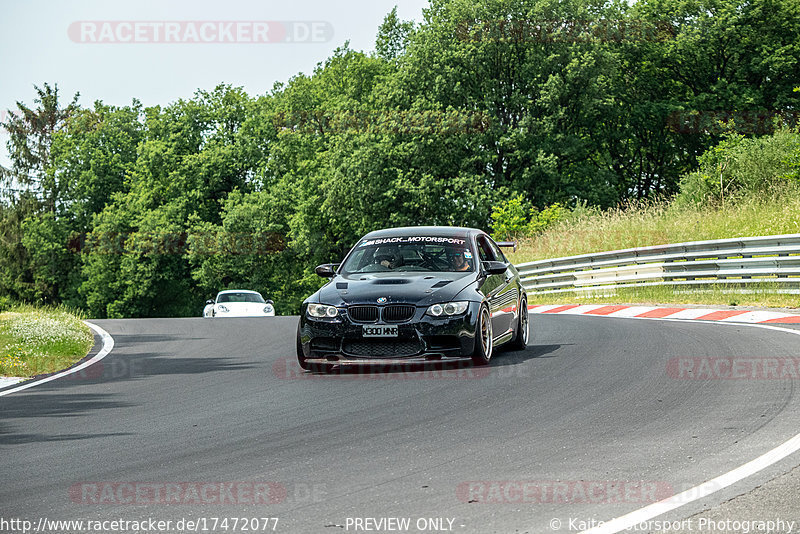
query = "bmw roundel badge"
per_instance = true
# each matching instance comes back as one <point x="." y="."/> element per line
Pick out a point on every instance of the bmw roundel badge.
<point x="381" y="300"/>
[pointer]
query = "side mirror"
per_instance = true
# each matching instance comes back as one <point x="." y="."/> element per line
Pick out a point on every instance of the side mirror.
<point x="269" y="301"/>
<point x="326" y="270"/>
<point x="494" y="267"/>
<point x="209" y="301"/>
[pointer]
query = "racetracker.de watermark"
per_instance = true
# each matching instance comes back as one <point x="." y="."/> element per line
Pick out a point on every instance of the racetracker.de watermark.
<point x="197" y="493"/>
<point x="562" y="491"/>
<point x="235" y="493"/>
<point x="733" y="368"/>
<point x="165" y="243"/>
<point x="115" y="369"/>
<point x="289" y="369"/>
<point x="199" y="31"/>
<point x="564" y="31"/>
<point x="419" y="122"/>
<point x="6" y="114"/>
<point x="718" y="121"/>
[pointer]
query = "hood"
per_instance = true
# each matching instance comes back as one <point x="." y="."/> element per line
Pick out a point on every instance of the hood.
<point x="418" y="288"/>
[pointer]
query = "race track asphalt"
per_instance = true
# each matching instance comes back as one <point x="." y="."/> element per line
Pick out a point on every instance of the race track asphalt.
<point x="593" y="405"/>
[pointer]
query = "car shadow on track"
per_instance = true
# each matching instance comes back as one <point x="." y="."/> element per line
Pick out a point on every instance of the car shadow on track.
<point x="516" y="357"/>
<point x="13" y="438"/>
<point x="136" y="339"/>
<point x="48" y="404"/>
<point x="121" y="367"/>
<point x="438" y="369"/>
<point x="51" y="405"/>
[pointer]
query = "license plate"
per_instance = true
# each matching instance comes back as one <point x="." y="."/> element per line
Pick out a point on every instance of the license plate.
<point x="379" y="331"/>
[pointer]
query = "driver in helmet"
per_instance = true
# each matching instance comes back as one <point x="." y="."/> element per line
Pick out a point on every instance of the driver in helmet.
<point x="458" y="260"/>
<point x="389" y="257"/>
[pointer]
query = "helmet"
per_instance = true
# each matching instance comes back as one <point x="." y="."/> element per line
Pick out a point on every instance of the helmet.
<point x="457" y="258"/>
<point x="389" y="253"/>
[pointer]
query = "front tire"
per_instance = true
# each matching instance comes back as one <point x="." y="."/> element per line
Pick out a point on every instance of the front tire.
<point x="483" y="337"/>
<point x="520" y="341"/>
<point x="301" y="358"/>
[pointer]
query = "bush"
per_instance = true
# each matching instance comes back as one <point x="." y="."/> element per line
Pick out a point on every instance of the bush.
<point x="739" y="167"/>
<point x="517" y="218"/>
<point x="547" y="217"/>
<point x="510" y="219"/>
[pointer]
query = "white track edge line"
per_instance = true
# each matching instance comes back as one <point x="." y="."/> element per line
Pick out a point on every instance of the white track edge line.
<point x="108" y="344"/>
<point x="637" y="517"/>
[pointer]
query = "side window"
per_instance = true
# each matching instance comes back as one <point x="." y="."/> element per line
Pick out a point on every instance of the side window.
<point x="498" y="254"/>
<point x="484" y="249"/>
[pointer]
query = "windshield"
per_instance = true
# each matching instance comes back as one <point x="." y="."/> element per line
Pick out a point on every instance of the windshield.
<point x="413" y="253"/>
<point x="240" y="297"/>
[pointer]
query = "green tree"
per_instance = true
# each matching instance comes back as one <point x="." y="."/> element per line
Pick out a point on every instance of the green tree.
<point x="31" y="133"/>
<point x="16" y="277"/>
<point x="393" y="36"/>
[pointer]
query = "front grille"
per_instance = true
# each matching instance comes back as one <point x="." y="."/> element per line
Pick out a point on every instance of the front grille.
<point x="398" y="313"/>
<point x="382" y="349"/>
<point x="363" y="314"/>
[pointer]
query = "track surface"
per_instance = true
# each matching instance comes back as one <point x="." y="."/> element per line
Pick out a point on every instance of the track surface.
<point x="194" y="400"/>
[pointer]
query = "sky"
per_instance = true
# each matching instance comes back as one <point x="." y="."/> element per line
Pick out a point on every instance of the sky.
<point x="161" y="50"/>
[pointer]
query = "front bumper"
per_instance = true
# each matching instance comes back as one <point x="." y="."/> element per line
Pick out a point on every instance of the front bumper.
<point x="421" y="339"/>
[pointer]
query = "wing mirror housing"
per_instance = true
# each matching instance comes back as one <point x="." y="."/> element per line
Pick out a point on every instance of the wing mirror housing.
<point x="326" y="270"/>
<point x="494" y="267"/>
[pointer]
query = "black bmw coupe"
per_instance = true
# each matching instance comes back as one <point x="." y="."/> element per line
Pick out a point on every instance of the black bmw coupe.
<point x="414" y="295"/>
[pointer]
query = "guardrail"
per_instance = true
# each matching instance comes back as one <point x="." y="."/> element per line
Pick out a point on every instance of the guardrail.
<point x="773" y="261"/>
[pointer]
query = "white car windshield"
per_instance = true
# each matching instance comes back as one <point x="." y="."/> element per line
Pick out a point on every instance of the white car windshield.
<point x="240" y="297"/>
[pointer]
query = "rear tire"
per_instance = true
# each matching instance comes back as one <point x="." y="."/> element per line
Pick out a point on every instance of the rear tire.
<point x="482" y="354"/>
<point x="520" y="341"/>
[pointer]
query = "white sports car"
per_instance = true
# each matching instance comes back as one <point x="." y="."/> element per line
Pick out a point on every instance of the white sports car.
<point x="239" y="303"/>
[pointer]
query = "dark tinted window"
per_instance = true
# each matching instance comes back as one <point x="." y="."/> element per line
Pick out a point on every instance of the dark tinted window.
<point x="484" y="249"/>
<point x="410" y="253"/>
<point x="498" y="254"/>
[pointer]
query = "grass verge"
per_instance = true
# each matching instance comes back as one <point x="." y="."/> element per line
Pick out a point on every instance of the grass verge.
<point x="590" y="231"/>
<point x="660" y="224"/>
<point x="41" y="340"/>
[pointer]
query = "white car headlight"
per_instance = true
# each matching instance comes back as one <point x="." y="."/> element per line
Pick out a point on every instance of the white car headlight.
<point x="322" y="310"/>
<point x="268" y="309"/>
<point x="448" y="308"/>
<point x="222" y="308"/>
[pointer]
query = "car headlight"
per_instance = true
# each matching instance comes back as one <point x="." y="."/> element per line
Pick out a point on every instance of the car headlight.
<point x="322" y="310"/>
<point x="268" y="309"/>
<point x="448" y="308"/>
<point x="222" y="308"/>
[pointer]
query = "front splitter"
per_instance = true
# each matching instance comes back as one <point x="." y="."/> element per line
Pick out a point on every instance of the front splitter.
<point x="387" y="361"/>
